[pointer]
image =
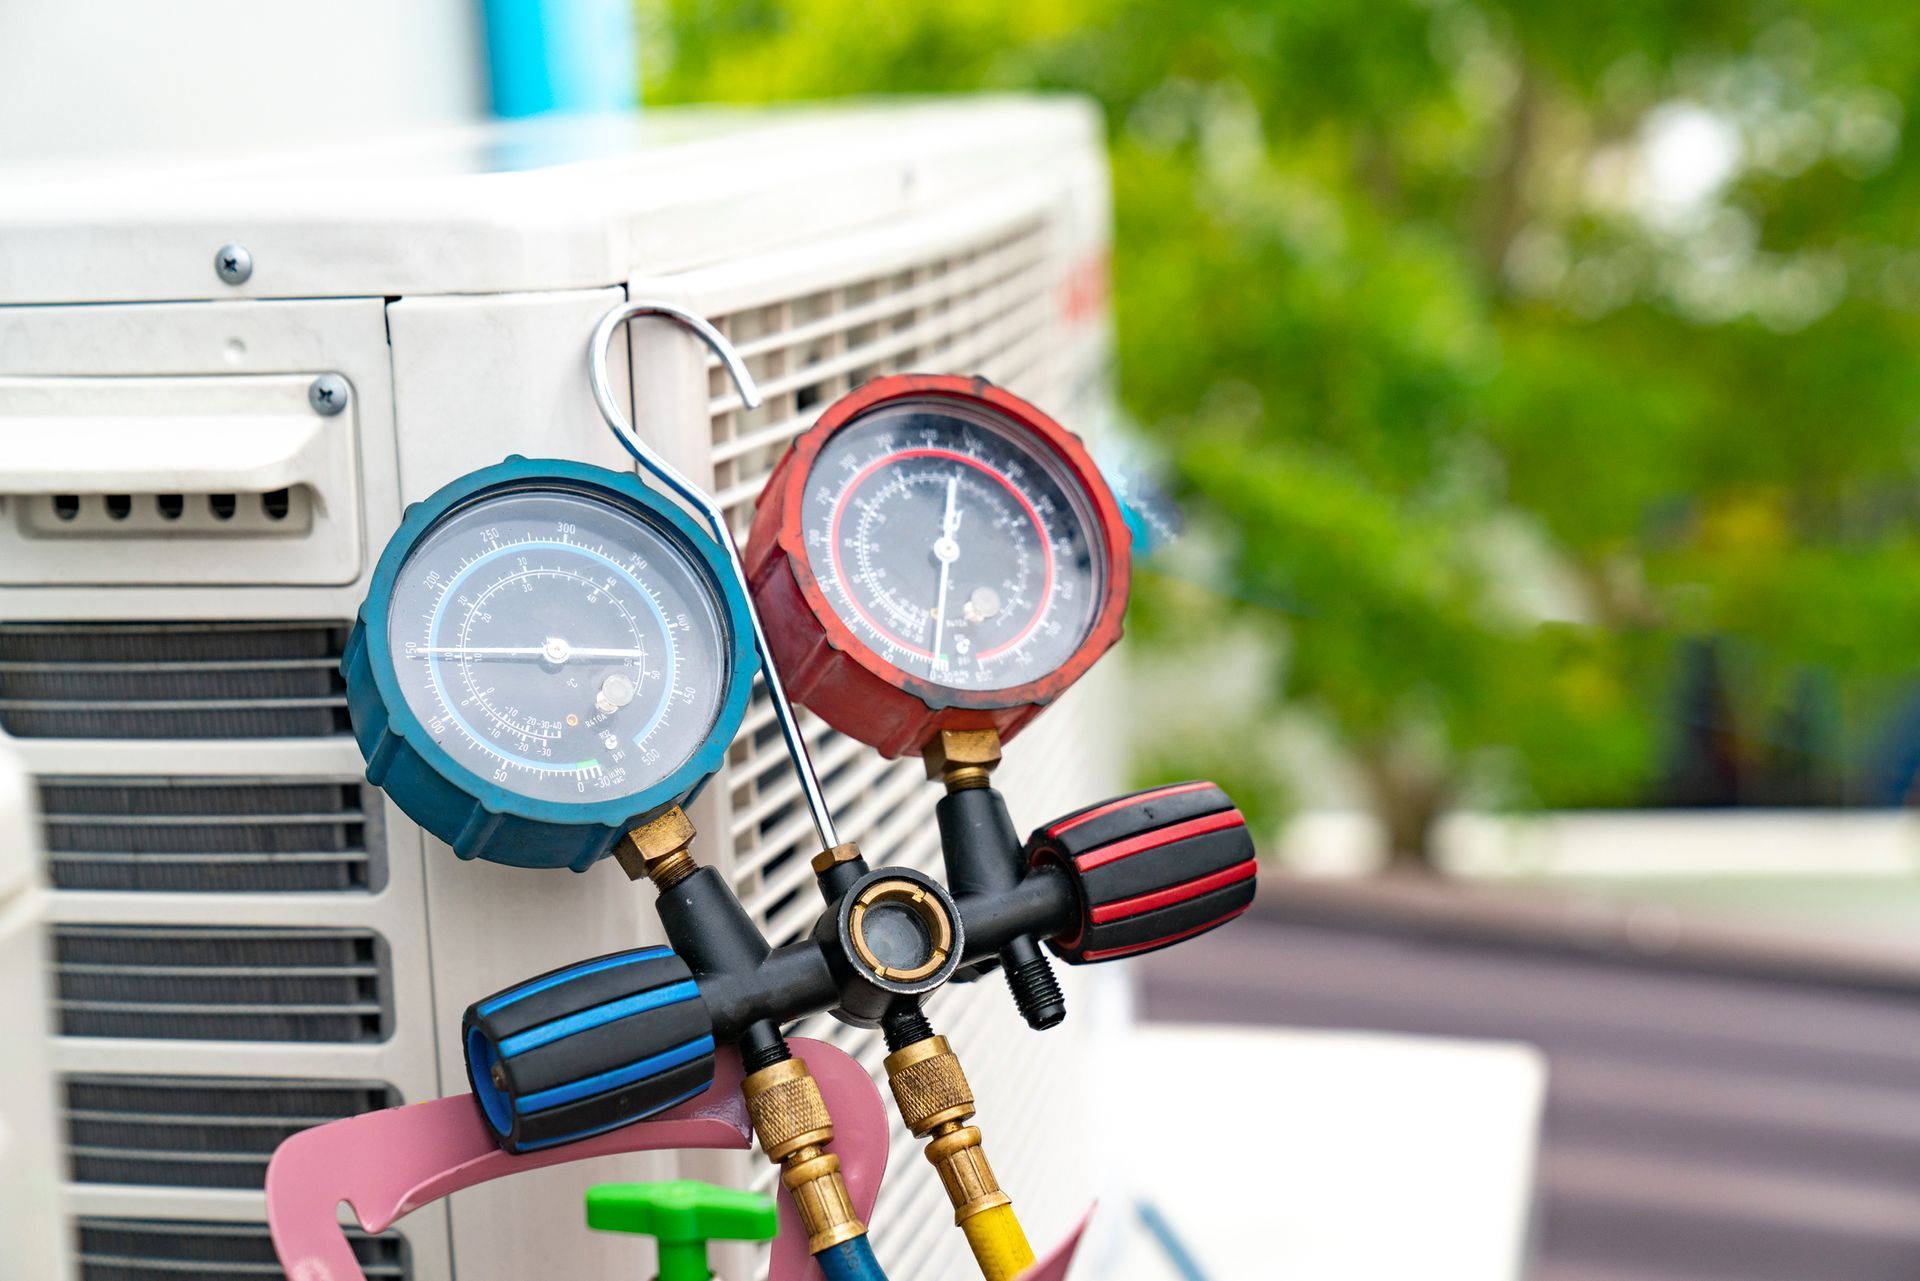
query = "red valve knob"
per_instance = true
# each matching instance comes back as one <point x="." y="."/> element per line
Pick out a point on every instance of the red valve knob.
<point x="1149" y="869"/>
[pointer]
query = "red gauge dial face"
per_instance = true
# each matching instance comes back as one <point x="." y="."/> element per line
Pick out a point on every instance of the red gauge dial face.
<point x="952" y="546"/>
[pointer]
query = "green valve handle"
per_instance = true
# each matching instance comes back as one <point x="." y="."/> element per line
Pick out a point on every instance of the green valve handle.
<point x="682" y="1216"/>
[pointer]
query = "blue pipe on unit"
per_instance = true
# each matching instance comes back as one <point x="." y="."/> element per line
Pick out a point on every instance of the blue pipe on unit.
<point x="1169" y="1242"/>
<point x="561" y="56"/>
<point x="850" y="1261"/>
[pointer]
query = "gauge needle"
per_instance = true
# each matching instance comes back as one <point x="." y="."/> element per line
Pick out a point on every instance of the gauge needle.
<point x="946" y="551"/>
<point x="554" y="651"/>
<point x="470" y="651"/>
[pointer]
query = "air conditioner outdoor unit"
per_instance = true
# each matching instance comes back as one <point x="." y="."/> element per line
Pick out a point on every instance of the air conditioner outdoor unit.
<point x="246" y="938"/>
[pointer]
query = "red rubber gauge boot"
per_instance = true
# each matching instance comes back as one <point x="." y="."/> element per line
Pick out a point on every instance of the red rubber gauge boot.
<point x="936" y="554"/>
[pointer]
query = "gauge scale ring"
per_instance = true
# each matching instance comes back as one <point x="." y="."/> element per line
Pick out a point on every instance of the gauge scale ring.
<point x="549" y="655"/>
<point x="936" y="554"/>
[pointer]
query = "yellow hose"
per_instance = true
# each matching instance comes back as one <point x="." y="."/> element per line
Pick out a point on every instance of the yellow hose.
<point x="999" y="1245"/>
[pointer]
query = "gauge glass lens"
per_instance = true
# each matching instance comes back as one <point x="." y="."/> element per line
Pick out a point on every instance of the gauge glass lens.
<point x="558" y="645"/>
<point x="954" y="545"/>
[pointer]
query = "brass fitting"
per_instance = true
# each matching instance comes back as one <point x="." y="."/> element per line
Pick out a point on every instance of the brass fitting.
<point x="790" y="1117"/>
<point x="962" y="758"/>
<point x="930" y="912"/>
<point x="657" y="849"/>
<point x="845" y="852"/>
<point x="936" y="1102"/>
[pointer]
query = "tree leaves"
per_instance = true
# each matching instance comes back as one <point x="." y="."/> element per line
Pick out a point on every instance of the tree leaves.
<point x="1402" y="287"/>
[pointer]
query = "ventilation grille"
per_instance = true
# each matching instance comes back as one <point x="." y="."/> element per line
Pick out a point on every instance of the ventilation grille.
<point x="984" y="309"/>
<point x="874" y="801"/>
<point x="209" y="983"/>
<point x="198" y="1132"/>
<point x="167" y="1250"/>
<point x="172" y="680"/>
<point x="231" y="835"/>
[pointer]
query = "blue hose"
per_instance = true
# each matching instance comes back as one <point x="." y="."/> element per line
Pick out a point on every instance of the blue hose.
<point x="850" y="1261"/>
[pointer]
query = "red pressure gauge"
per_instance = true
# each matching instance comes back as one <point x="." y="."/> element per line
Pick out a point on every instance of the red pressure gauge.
<point x="935" y="554"/>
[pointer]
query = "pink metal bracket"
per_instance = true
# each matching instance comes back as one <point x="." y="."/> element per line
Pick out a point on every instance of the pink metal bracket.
<point x="1053" y="1265"/>
<point x="385" y="1165"/>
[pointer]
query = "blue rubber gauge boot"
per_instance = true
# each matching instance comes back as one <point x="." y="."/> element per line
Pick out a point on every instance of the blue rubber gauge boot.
<point x="549" y="655"/>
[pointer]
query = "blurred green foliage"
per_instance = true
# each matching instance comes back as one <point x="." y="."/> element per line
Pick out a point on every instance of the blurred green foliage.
<point x="1497" y="346"/>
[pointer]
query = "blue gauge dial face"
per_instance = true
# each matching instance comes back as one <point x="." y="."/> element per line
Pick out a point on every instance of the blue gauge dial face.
<point x="558" y="644"/>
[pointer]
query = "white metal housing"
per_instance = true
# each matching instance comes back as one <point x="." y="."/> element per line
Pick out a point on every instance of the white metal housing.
<point x="30" y="1219"/>
<point x="453" y="282"/>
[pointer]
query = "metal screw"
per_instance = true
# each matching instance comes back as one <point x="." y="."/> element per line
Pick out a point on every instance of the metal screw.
<point x="234" y="264"/>
<point x="328" y="395"/>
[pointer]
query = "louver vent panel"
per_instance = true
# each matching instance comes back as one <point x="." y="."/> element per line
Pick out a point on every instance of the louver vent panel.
<point x="172" y="680"/>
<point x="212" y="983"/>
<point x="230" y="835"/>
<point x="982" y="309"/>
<point x="198" y="1132"/>
<point x="167" y="1250"/>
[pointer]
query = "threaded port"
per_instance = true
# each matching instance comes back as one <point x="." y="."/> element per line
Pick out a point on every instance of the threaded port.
<point x="902" y="1028"/>
<point x="964" y="778"/>
<point x="1037" y="993"/>
<point x="673" y="869"/>
<point x="762" y="1046"/>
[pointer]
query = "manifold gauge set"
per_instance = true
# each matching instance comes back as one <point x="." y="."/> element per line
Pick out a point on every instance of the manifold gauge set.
<point x="553" y="658"/>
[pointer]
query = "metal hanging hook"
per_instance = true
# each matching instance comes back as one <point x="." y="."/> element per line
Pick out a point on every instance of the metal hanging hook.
<point x="701" y="501"/>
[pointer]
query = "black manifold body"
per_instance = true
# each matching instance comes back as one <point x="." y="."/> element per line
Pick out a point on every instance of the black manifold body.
<point x="596" y="1045"/>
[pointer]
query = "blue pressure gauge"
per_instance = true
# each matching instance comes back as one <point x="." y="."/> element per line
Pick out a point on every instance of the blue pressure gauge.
<point x="549" y="655"/>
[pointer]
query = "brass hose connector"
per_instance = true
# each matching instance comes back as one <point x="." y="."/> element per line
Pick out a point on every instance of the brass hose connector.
<point x="936" y="1102"/>
<point x="657" y="849"/>
<point x="790" y="1118"/>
